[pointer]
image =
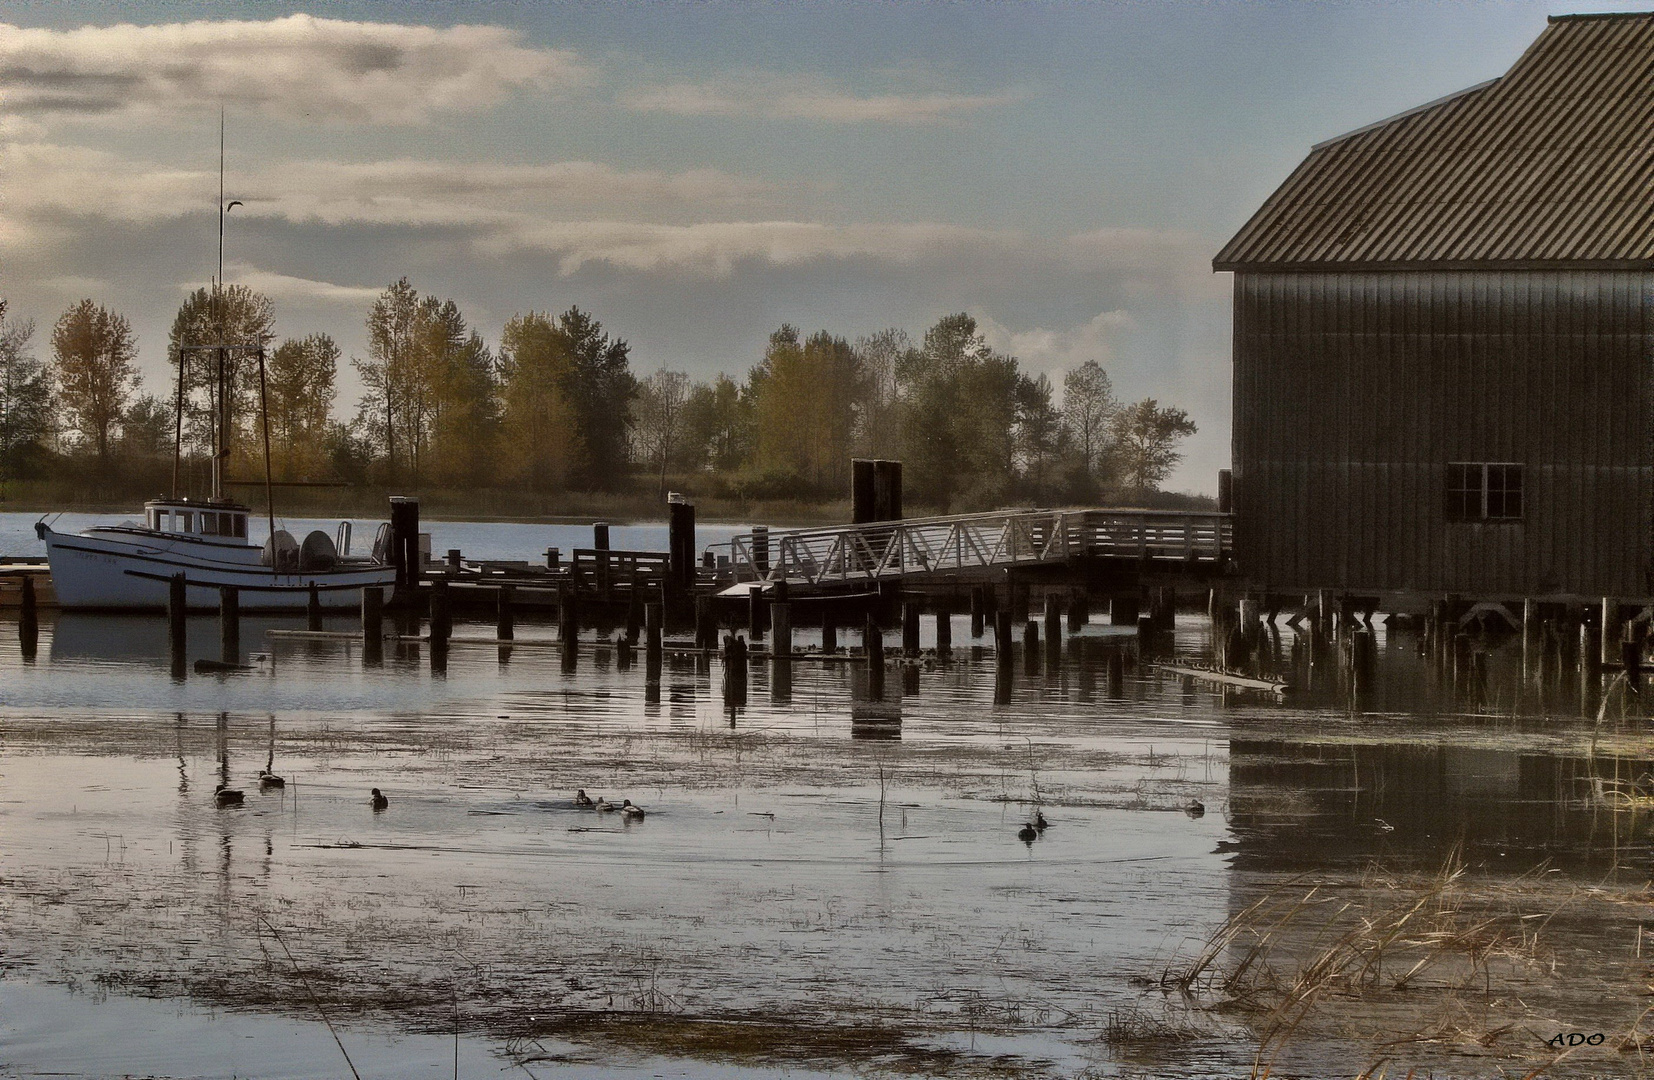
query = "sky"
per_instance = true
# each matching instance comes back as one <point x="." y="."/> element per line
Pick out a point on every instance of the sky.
<point x="696" y="174"/>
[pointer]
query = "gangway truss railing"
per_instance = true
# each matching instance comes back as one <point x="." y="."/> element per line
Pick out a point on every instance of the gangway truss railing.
<point x="965" y="543"/>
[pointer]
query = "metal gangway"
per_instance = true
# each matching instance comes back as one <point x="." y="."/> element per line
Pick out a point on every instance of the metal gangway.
<point x="964" y="546"/>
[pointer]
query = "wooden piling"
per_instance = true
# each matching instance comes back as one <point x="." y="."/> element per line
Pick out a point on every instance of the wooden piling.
<point x="872" y="637"/>
<point x="1030" y="647"/>
<point x="373" y="626"/>
<point x="600" y="535"/>
<point x="1610" y="626"/>
<point x="454" y="560"/>
<point x="634" y="611"/>
<point x="506" y="622"/>
<point x="944" y="628"/>
<point x="405" y="542"/>
<point x="755" y="613"/>
<point x="229" y="625"/>
<point x="1002" y="639"/>
<point x="680" y="541"/>
<point x="653" y="625"/>
<point x="1530" y="627"/>
<point x="979" y="606"/>
<point x="910" y="628"/>
<point x="1079" y="611"/>
<point x="829" y="632"/>
<point x="1053" y="622"/>
<point x="706" y="625"/>
<point x="1116" y="672"/>
<point x="1145" y="634"/>
<point x="177" y="634"/>
<point x="781" y="630"/>
<point x="28" y="616"/>
<point x="1123" y="609"/>
<point x="442" y="614"/>
<point x="1631" y="658"/>
<point x="313" y="608"/>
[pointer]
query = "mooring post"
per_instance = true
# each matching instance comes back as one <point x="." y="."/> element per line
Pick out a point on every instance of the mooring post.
<point x="680" y="542"/>
<point x="1590" y="650"/>
<point x="373" y="625"/>
<point x="1003" y="645"/>
<point x="872" y="637"/>
<point x="313" y="608"/>
<point x="442" y="622"/>
<point x="653" y="623"/>
<point x="1610" y="626"/>
<point x="229" y="624"/>
<point x="177" y="636"/>
<point x="1030" y="647"/>
<point x="634" y="610"/>
<point x="1530" y="625"/>
<point x="829" y="631"/>
<point x="781" y="622"/>
<point x="1363" y="655"/>
<point x="1053" y="622"/>
<point x="506" y="626"/>
<point x="1123" y="609"/>
<point x="979" y="606"/>
<point x="600" y="535"/>
<point x="706" y="635"/>
<point x="454" y="560"/>
<point x="28" y="618"/>
<point x="1079" y="611"/>
<point x="1145" y="634"/>
<point x="944" y="627"/>
<point x="910" y="628"/>
<point x="1631" y="658"/>
<point x="405" y="542"/>
<point x="755" y="612"/>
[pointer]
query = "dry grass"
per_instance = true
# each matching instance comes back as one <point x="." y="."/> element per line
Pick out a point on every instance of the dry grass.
<point x="1426" y="968"/>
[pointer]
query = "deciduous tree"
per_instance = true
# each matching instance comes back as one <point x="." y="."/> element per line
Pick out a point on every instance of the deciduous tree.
<point x="93" y="350"/>
<point x="1146" y="437"/>
<point x="541" y="440"/>
<point x="26" y="404"/>
<point x="658" y="421"/>
<point x="302" y="375"/>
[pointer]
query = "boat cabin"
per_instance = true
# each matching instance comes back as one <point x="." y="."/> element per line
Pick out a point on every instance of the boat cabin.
<point x="219" y="521"/>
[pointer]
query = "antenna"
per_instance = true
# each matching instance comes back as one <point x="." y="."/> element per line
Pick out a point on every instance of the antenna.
<point x="220" y="278"/>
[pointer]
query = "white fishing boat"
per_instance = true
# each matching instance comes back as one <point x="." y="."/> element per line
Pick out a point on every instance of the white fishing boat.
<point x="131" y="566"/>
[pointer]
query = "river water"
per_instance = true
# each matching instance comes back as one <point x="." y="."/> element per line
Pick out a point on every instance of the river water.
<point x="822" y="886"/>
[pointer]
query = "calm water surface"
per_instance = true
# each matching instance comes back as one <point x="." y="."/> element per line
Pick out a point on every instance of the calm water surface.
<point x="842" y="877"/>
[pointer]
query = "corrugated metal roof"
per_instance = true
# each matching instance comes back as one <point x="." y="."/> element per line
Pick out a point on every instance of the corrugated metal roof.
<point x="1550" y="165"/>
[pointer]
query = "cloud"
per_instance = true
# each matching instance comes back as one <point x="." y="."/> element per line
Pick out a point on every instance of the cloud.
<point x="48" y="181"/>
<point x="788" y="97"/>
<point x="285" y="287"/>
<point x="714" y="248"/>
<point x="297" y="67"/>
<point x="1052" y="351"/>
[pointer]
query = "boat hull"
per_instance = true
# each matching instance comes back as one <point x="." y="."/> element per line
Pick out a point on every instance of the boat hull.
<point x="93" y="573"/>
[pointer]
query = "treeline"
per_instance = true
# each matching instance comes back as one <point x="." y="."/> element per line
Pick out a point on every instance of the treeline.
<point x="973" y="429"/>
<point x="555" y="407"/>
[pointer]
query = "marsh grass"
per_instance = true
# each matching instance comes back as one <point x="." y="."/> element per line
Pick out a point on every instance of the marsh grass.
<point x="1438" y="966"/>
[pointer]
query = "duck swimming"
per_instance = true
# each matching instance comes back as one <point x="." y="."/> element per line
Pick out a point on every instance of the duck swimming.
<point x="603" y="806"/>
<point x="228" y="796"/>
<point x="632" y="813"/>
<point x="1028" y="834"/>
<point x="1195" y="809"/>
<point x="268" y="779"/>
<point x="379" y="801"/>
<point x="582" y="800"/>
<point x="1039" y="821"/>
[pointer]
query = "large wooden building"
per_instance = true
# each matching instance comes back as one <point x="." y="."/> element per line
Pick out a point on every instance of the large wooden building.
<point x="1444" y="341"/>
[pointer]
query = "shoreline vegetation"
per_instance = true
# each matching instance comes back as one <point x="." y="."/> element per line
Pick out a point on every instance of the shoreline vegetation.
<point x="556" y="420"/>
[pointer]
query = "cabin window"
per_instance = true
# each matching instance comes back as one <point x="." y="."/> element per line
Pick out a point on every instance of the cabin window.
<point x="1484" y="491"/>
<point x="240" y="522"/>
<point x="209" y="524"/>
<point x="186" y="521"/>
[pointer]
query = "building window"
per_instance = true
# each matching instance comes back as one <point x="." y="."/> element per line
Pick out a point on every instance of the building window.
<point x="1479" y="491"/>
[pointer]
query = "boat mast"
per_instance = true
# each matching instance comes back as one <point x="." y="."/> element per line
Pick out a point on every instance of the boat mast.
<point x="221" y="434"/>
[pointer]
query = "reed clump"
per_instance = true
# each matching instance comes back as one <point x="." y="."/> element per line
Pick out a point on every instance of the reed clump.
<point x="1421" y="967"/>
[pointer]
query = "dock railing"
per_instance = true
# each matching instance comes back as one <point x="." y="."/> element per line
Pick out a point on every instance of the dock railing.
<point x="965" y="543"/>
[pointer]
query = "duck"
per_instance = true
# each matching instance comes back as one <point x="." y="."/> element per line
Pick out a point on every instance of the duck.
<point x="1195" y="808"/>
<point x="582" y="800"/>
<point x="379" y="801"/>
<point x="1040" y="824"/>
<point x="1028" y="834"/>
<point x="632" y="813"/>
<point x="268" y="779"/>
<point x="603" y="806"/>
<point x="224" y="795"/>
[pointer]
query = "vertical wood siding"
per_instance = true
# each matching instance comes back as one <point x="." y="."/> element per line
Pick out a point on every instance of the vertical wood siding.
<point x="1354" y="390"/>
